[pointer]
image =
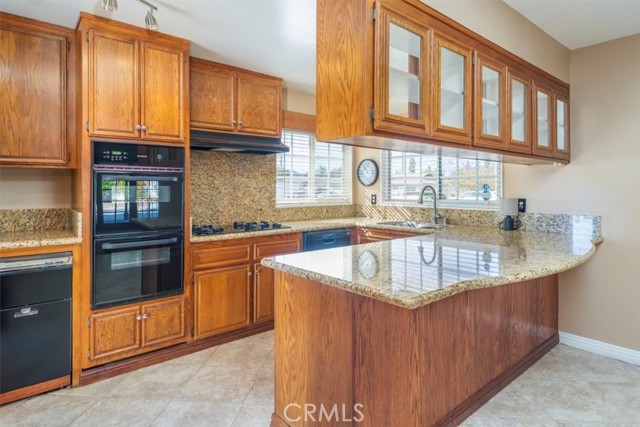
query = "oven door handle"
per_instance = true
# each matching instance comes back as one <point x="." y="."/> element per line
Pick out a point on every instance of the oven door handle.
<point x="139" y="178"/>
<point x="140" y="244"/>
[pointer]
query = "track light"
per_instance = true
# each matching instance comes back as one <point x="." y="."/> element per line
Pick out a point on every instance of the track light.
<point x="150" y="20"/>
<point x="110" y="5"/>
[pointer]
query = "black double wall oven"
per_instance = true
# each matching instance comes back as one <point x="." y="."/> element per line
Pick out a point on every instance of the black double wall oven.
<point x="138" y="223"/>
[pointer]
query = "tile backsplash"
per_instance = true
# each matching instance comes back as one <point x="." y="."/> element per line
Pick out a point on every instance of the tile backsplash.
<point x="227" y="187"/>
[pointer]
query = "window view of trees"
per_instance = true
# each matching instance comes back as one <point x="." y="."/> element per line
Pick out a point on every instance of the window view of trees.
<point x="459" y="182"/>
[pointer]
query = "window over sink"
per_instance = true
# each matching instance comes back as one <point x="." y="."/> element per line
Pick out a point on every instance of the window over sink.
<point x="312" y="173"/>
<point x="460" y="183"/>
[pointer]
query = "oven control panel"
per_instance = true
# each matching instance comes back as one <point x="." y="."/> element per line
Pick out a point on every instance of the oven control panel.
<point x="110" y="153"/>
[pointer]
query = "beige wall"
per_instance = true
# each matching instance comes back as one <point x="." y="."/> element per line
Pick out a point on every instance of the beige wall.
<point x="34" y="188"/>
<point x="600" y="299"/>
<point x="496" y="21"/>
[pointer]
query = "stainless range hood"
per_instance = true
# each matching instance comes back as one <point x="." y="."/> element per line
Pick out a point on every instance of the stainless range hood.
<point x="236" y="143"/>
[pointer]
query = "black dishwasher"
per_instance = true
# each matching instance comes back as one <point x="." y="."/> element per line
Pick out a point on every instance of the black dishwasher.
<point x="325" y="239"/>
<point x="35" y="320"/>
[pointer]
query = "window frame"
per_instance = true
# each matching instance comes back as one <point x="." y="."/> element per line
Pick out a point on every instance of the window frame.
<point x="319" y="202"/>
<point x="385" y="175"/>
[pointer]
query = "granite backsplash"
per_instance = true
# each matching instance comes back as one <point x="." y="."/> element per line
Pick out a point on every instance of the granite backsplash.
<point x="54" y="219"/>
<point x="227" y="187"/>
<point x="556" y="223"/>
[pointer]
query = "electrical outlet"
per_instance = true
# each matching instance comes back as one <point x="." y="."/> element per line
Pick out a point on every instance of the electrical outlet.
<point x="374" y="199"/>
<point x="522" y="205"/>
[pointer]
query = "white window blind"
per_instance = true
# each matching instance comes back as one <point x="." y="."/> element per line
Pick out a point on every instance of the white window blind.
<point x="312" y="172"/>
<point x="459" y="182"/>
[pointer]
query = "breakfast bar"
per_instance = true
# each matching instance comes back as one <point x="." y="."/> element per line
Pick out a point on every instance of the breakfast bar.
<point x="415" y="332"/>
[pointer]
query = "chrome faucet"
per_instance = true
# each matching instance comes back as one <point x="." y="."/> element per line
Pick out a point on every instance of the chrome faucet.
<point x="436" y="218"/>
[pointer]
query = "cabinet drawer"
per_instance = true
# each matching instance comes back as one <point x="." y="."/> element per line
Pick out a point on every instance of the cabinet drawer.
<point x="272" y="248"/>
<point x="221" y="255"/>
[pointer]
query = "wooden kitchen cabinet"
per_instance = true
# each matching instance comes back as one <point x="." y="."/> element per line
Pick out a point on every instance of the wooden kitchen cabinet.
<point x="401" y="97"/>
<point x="222" y="299"/>
<point x="231" y="289"/>
<point x="490" y="103"/>
<point x="264" y="277"/>
<point x="116" y="333"/>
<point x="519" y="89"/>
<point x="452" y="90"/>
<point x="232" y="100"/>
<point x="371" y="235"/>
<point x="38" y="108"/>
<point x="137" y="82"/>
<point x="460" y="96"/>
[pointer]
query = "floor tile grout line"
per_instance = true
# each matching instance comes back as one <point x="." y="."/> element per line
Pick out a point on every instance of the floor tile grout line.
<point x="160" y="413"/>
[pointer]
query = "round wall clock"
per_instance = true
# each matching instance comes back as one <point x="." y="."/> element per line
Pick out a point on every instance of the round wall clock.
<point x="367" y="172"/>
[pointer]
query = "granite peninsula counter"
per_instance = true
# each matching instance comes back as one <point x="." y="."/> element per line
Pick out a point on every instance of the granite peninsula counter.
<point x="418" y="331"/>
<point x="420" y="270"/>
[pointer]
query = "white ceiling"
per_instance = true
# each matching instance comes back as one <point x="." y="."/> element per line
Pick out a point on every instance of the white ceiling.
<point x="277" y="37"/>
<point x="580" y="23"/>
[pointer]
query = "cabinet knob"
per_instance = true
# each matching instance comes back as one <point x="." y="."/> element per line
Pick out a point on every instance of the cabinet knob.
<point x="257" y="270"/>
<point x="250" y="274"/>
<point x="138" y="127"/>
<point x="233" y="122"/>
<point x="240" y="123"/>
<point x="144" y="128"/>
<point x="138" y="317"/>
<point x="145" y="316"/>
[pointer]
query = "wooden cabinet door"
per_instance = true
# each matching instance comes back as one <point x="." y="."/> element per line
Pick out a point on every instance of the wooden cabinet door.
<point x="402" y="74"/>
<point x="33" y="117"/>
<point x="222" y="300"/>
<point x="114" y="333"/>
<point x="212" y="100"/>
<point x="162" y="101"/>
<point x="263" y="293"/>
<point x="367" y="235"/>
<point x="114" y="95"/>
<point x="163" y="323"/>
<point x="562" y="147"/>
<point x="452" y="90"/>
<point x="490" y="103"/>
<point x="543" y="112"/>
<point x="519" y="89"/>
<point x="259" y="108"/>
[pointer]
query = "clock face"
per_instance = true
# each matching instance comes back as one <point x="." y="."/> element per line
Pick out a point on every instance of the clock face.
<point x="367" y="172"/>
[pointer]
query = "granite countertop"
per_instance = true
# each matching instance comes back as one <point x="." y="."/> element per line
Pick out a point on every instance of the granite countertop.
<point x="29" y="239"/>
<point x="311" y="225"/>
<point x="39" y="227"/>
<point x="416" y="271"/>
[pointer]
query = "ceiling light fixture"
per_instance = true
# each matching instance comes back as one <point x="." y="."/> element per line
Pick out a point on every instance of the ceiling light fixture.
<point x="110" y="5"/>
<point x="150" y="20"/>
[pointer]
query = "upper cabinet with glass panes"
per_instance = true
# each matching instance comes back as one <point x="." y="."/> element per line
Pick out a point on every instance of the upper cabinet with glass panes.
<point x="402" y="76"/>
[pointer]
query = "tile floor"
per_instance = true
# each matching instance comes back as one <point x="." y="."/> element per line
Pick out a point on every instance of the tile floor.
<point x="232" y="386"/>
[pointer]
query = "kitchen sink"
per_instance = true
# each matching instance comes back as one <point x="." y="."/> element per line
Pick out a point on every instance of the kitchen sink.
<point x="413" y="224"/>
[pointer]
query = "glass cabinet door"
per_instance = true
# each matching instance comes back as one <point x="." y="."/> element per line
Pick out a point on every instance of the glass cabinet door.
<point x="453" y="84"/>
<point x="401" y="73"/>
<point x="519" y="119"/>
<point x="490" y="111"/>
<point x="562" y="128"/>
<point x="543" y="114"/>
